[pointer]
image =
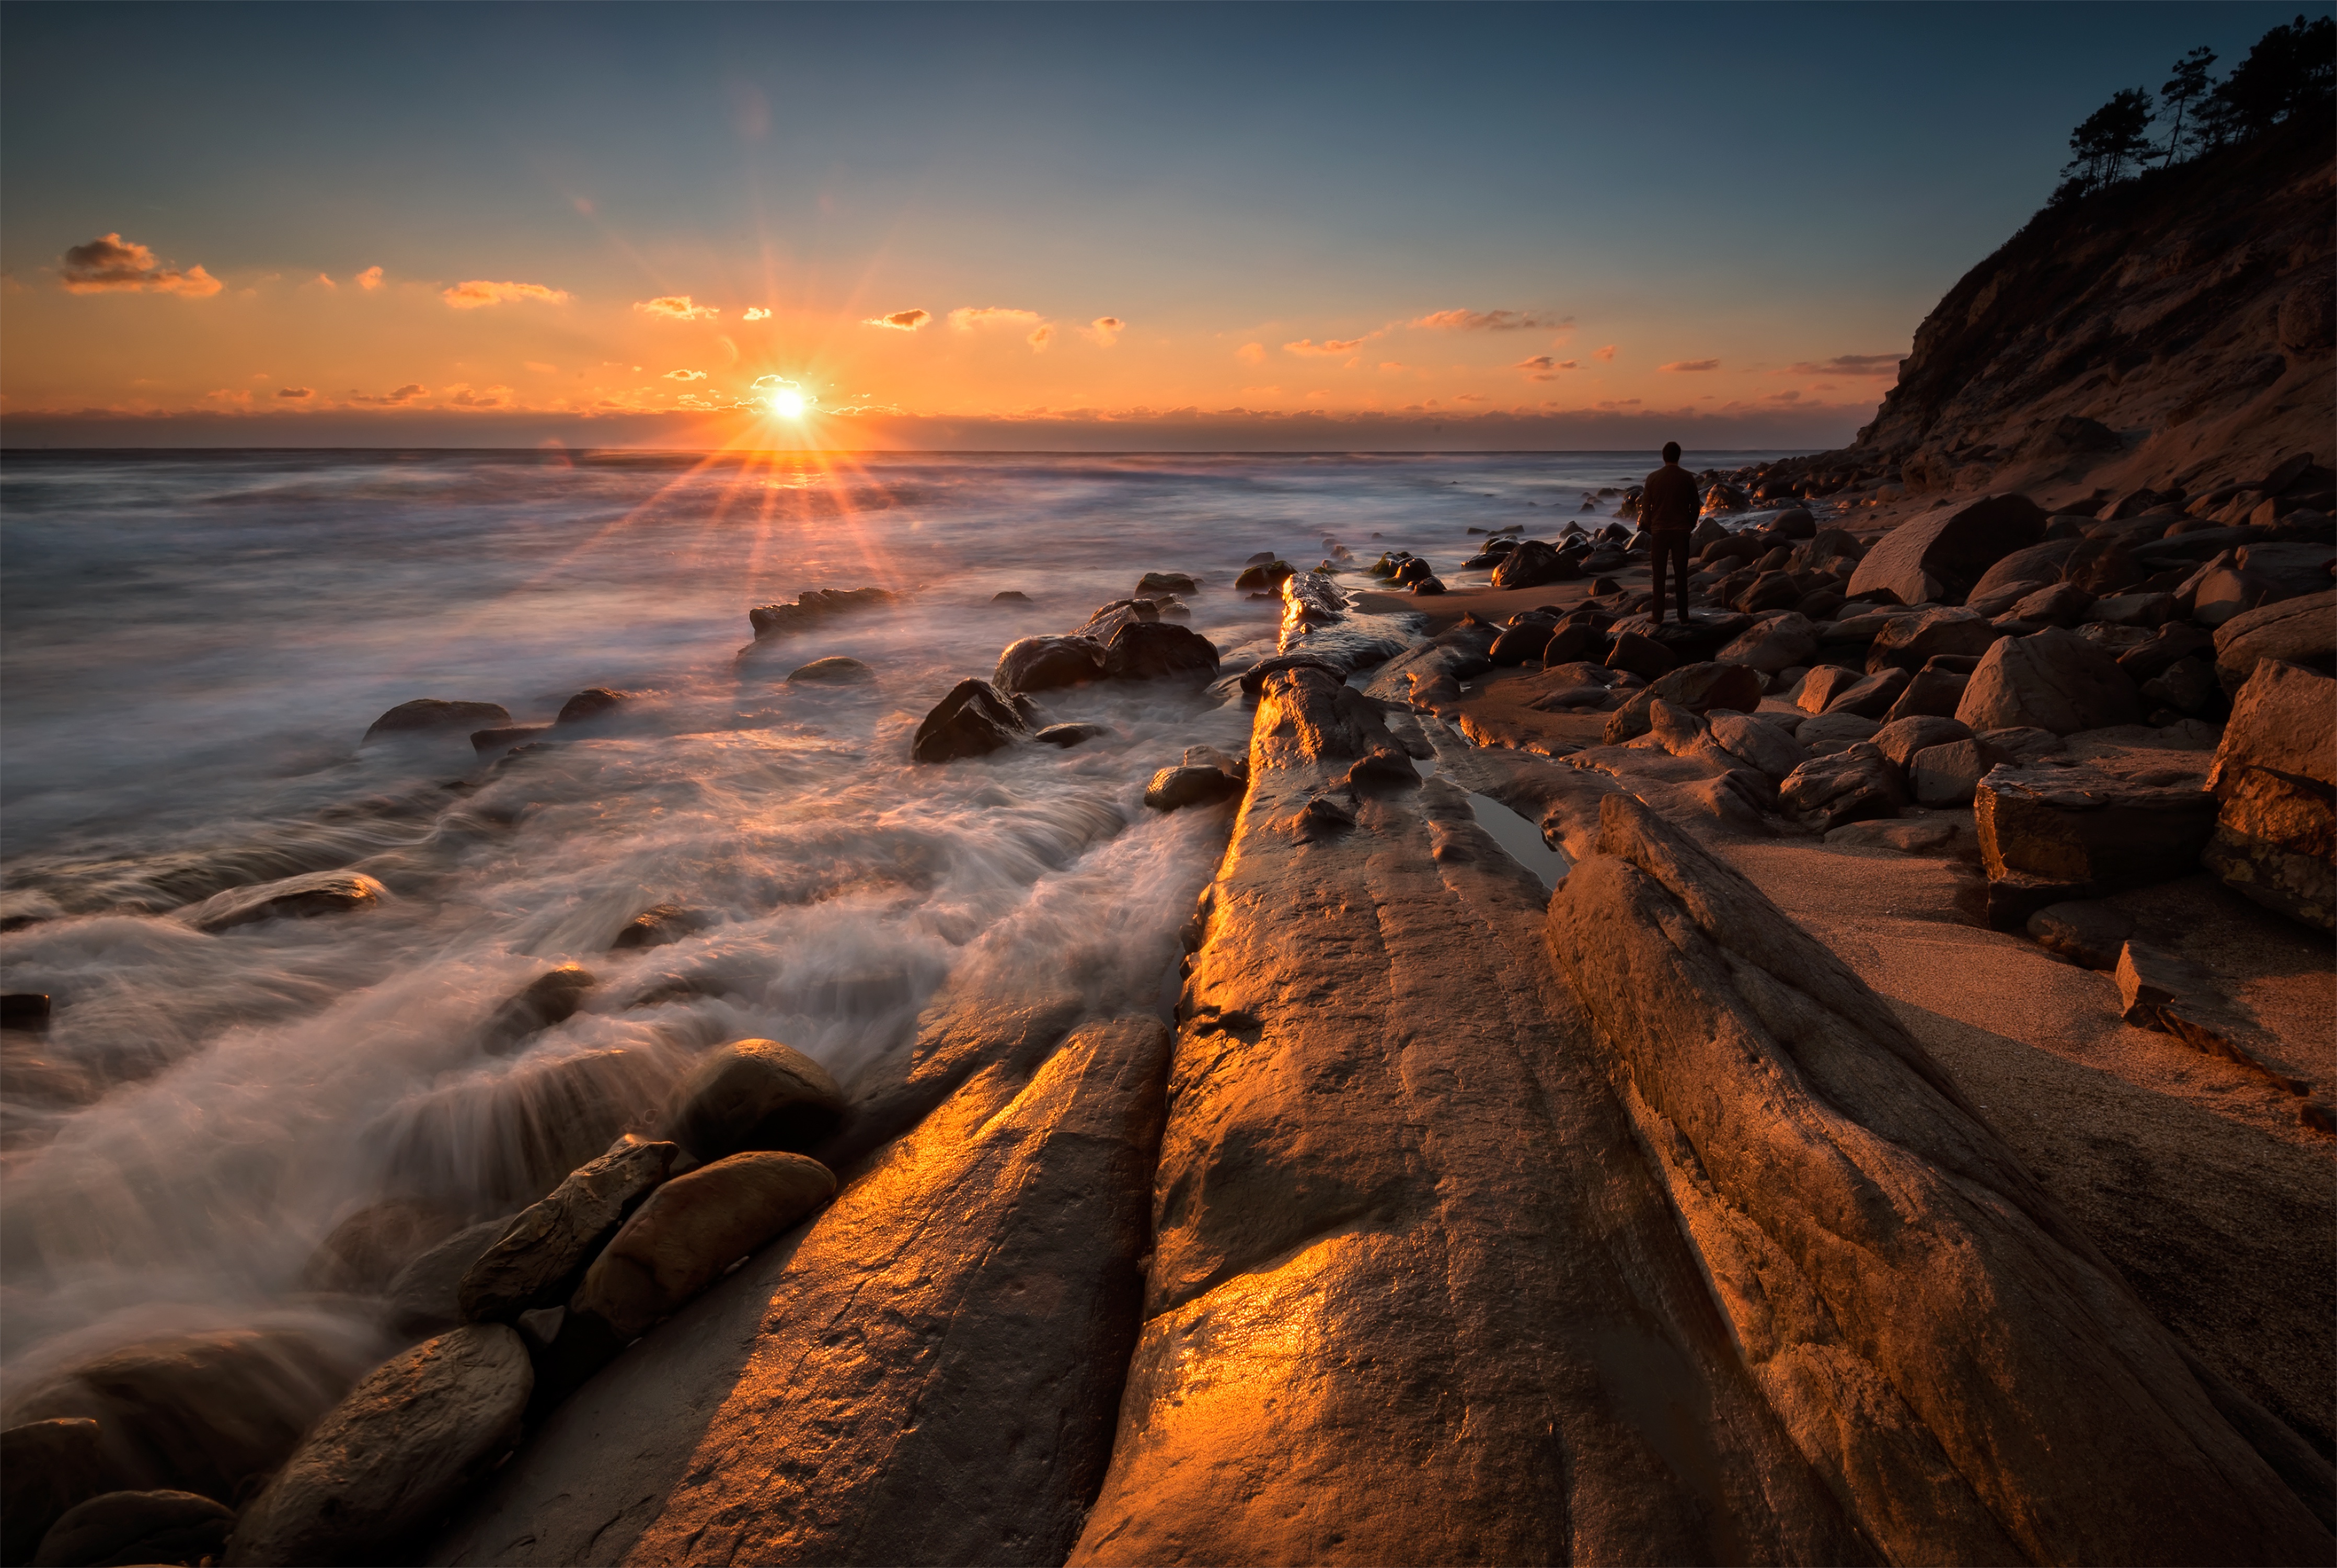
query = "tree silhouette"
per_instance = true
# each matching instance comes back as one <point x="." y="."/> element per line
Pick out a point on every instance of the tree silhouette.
<point x="2189" y="84"/>
<point x="2292" y="71"/>
<point x="2111" y="137"/>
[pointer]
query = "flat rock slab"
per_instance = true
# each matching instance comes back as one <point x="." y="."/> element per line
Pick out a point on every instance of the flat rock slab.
<point x="540" y="1257"/>
<point x="2087" y="827"/>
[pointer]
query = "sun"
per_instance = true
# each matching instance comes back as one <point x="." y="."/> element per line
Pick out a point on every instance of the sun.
<point x="788" y="405"/>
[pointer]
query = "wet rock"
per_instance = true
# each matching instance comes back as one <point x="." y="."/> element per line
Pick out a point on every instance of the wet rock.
<point x="1933" y="693"/>
<point x="135" y="1528"/>
<point x="1697" y="688"/>
<point x="1828" y="733"/>
<point x="1172" y="788"/>
<point x="2083" y="931"/>
<point x="425" y="715"/>
<point x="1522" y="641"/>
<point x="1642" y="656"/>
<point x="2052" y="680"/>
<point x="1901" y="737"/>
<point x="2301" y="631"/>
<point x="1428" y="585"/>
<point x="1773" y="645"/>
<point x="1765" y="748"/>
<point x="1010" y="596"/>
<point x="1068" y="735"/>
<point x="2089" y="830"/>
<point x="537" y="1261"/>
<point x="552" y="997"/>
<point x="833" y="671"/>
<point x="1155" y="582"/>
<point x="753" y="1095"/>
<point x="1150" y="651"/>
<point x="1048" y="665"/>
<point x="813" y="609"/>
<point x="1533" y="564"/>
<point x="687" y="1232"/>
<point x="2275" y="780"/>
<point x="593" y="703"/>
<point x="1266" y="577"/>
<point x="424" y="1296"/>
<point x="1949" y="774"/>
<point x="518" y="1136"/>
<point x="972" y="720"/>
<point x="46" y="1467"/>
<point x="365" y="1251"/>
<point x="1943" y="554"/>
<point x="655" y="926"/>
<point x="24" y="1010"/>
<point x="392" y="1457"/>
<point x="303" y="897"/>
<point x="1850" y="786"/>
<point x="491" y="743"/>
<point x="1253" y="679"/>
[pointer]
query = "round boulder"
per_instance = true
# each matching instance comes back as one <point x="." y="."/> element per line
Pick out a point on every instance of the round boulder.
<point x="691" y="1229"/>
<point x="46" y="1467"/>
<point x="972" y="720"/>
<point x="753" y="1095"/>
<point x="1175" y="787"/>
<point x="1149" y="650"/>
<point x="833" y="671"/>
<point x="425" y="714"/>
<point x="2053" y="679"/>
<point x="1048" y="665"/>
<point x="132" y="1527"/>
<point x="591" y="702"/>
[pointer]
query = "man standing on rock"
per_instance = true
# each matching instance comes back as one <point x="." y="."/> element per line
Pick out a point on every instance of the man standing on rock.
<point x="1668" y="508"/>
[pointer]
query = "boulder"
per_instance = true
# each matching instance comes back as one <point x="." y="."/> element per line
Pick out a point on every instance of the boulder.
<point x="1901" y="739"/>
<point x="812" y="609"/>
<point x="1642" y="656"/>
<point x="1520" y="641"/>
<point x="302" y="897"/>
<point x="2089" y="830"/>
<point x="2102" y="566"/>
<point x="490" y="742"/>
<point x="1150" y="650"/>
<point x="2040" y="563"/>
<point x="1253" y="677"/>
<point x="1153" y="582"/>
<point x="834" y="671"/>
<point x="1910" y="641"/>
<point x="972" y="720"/>
<point x="2188" y="686"/>
<point x="47" y="1467"/>
<point x="657" y="926"/>
<point x="2301" y="631"/>
<point x="131" y="1527"/>
<point x="1068" y="735"/>
<point x="2084" y="931"/>
<point x="1822" y="685"/>
<point x="1828" y="733"/>
<point x="1763" y="747"/>
<point x="688" y="1231"/>
<point x="1850" y="786"/>
<point x="1932" y="692"/>
<point x="1997" y="601"/>
<point x="426" y="714"/>
<point x="2163" y="990"/>
<point x="2275" y="780"/>
<point x="753" y="1095"/>
<point x="1010" y="596"/>
<point x="2052" y="680"/>
<point x="1102" y="626"/>
<point x="1698" y="688"/>
<point x="392" y="1457"/>
<point x="519" y="1134"/>
<point x="1774" y="590"/>
<point x="594" y="702"/>
<point x="1795" y="523"/>
<point x="1266" y="576"/>
<point x="538" y="1260"/>
<point x="1949" y="774"/>
<point x="2061" y="605"/>
<point x="1533" y="563"/>
<point x="364" y="1252"/>
<point x="1772" y="645"/>
<point x="2150" y="611"/>
<point x="2217" y="594"/>
<point x="1871" y="696"/>
<point x="424" y="1297"/>
<point x="552" y="997"/>
<point x="1943" y="554"/>
<point x="1172" y="788"/>
<point x="1048" y="665"/>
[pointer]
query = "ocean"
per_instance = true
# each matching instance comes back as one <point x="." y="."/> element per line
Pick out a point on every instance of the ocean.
<point x="193" y="644"/>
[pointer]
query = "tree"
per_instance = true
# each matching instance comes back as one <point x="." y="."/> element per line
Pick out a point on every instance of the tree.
<point x="2189" y="84"/>
<point x="2111" y="137"/>
<point x="2291" y="72"/>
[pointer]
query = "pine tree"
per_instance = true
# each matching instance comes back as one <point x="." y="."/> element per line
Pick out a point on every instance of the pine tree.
<point x="2111" y="137"/>
<point x="2292" y="71"/>
<point x="2189" y="84"/>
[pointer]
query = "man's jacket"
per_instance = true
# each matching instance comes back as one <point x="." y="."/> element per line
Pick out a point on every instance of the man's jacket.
<point x="1668" y="503"/>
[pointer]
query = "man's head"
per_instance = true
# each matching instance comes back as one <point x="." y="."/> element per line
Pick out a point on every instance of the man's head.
<point x="1671" y="451"/>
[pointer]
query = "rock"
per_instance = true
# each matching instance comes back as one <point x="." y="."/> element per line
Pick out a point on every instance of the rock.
<point x="1763" y="747"/>
<point x="1869" y="697"/>
<point x="753" y="1095"/>
<point x="365" y="1251"/>
<point x="426" y="714"/>
<point x="2189" y="687"/>
<point x="2061" y="605"/>
<point x="1823" y="604"/>
<point x="24" y="1010"/>
<point x="302" y="897"/>
<point x="2052" y="680"/>
<point x="1520" y="641"/>
<point x="2146" y="609"/>
<point x="1010" y="596"/>
<point x="2300" y="631"/>
<point x="1850" y="786"/>
<point x="1265" y="577"/>
<point x="2158" y="990"/>
<point x="1428" y="585"/>
<point x="2274" y="780"/>
<point x="1769" y="591"/>
<point x="46" y="1467"/>
<point x="1795" y="523"/>
<point x="812" y="609"/>
<point x="687" y="1232"/>
<point x="1698" y="688"/>
<point x="2082" y="931"/>
<point x="972" y="720"/>
<point x="1943" y="554"/>
<point x="1164" y="582"/>
<point x="2089" y="830"/>
<point x="2101" y="566"/>
<point x="1642" y="656"/>
<point x="1773" y="645"/>
<point x="552" y="997"/>
<point x="1828" y="733"/>
<point x="133" y="1527"/>
<point x="1998" y="602"/>
<point x="515" y="1137"/>
<point x="1174" y="788"/>
<point x="390" y="1459"/>
<point x="833" y="671"/>
<point x="2040" y="563"/>
<point x="1048" y="665"/>
<point x="593" y="703"/>
<point x="657" y="926"/>
<point x="2216" y="594"/>
<point x="1068" y="735"/>
<point x="489" y="742"/>
<point x="2173" y="643"/>
<point x="1822" y="685"/>
<point x="210" y="1413"/>
<point x="2026" y="746"/>
<point x="539" y="1258"/>
<point x="1105" y="624"/>
<point x="1901" y="737"/>
<point x="1949" y="774"/>
<point x="1533" y="563"/>
<point x="1934" y="692"/>
<point x="424" y="1296"/>
<point x="1152" y="649"/>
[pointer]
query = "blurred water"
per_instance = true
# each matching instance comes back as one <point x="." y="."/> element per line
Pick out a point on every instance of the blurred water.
<point x="195" y="643"/>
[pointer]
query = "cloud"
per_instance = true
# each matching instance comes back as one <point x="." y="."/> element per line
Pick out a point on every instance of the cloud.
<point x="1691" y="365"/>
<point x="1542" y="368"/>
<point x="405" y="394"/>
<point x="1329" y="346"/>
<point x="1040" y="336"/>
<point x="966" y="318"/>
<point x="478" y="292"/>
<point x="685" y="375"/>
<point x="1604" y="355"/>
<point x="294" y="392"/>
<point x="676" y="308"/>
<point x="905" y="320"/>
<point x="229" y="395"/>
<point x="462" y="397"/>
<point x="1251" y="353"/>
<point x="1785" y="397"/>
<point x="756" y="313"/>
<point x="369" y="280"/>
<point x="1486" y="320"/>
<point x="1105" y="330"/>
<point x="1848" y="365"/>
<point x="111" y="264"/>
<point x="325" y="278"/>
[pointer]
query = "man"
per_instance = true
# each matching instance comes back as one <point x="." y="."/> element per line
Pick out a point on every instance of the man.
<point x="1668" y="508"/>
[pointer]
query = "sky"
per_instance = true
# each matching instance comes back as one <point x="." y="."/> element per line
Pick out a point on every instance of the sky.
<point x="996" y="227"/>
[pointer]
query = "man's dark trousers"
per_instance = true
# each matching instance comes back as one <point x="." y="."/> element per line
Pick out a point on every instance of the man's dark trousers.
<point x="1674" y="548"/>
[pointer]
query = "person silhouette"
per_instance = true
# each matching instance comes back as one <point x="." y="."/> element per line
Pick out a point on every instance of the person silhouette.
<point x="1667" y="509"/>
